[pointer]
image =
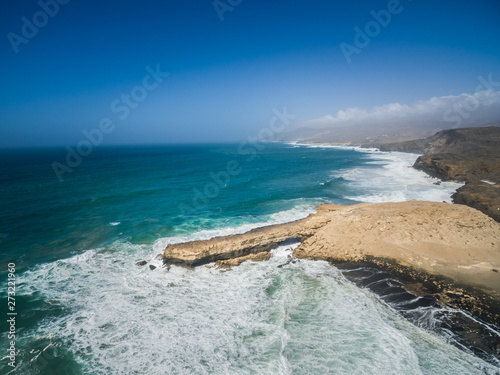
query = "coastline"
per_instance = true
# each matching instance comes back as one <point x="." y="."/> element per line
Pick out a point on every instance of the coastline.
<point x="435" y="261"/>
<point x="446" y="252"/>
<point x="467" y="155"/>
<point x="449" y="251"/>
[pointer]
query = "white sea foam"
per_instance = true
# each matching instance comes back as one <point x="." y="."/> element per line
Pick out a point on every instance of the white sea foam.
<point x="390" y="177"/>
<point x="256" y="319"/>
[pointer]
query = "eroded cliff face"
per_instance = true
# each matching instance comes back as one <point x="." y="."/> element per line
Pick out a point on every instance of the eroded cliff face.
<point x="482" y="196"/>
<point x="470" y="155"/>
<point x="450" y="250"/>
<point x="460" y="154"/>
<point x="471" y="141"/>
<point x="255" y="241"/>
<point x="461" y="168"/>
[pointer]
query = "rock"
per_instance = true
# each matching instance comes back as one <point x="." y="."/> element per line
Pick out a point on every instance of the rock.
<point x="142" y="263"/>
<point x="450" y="166"/>
<point x="151" y="267"/>
<point x="291" y="259"/>
<point x="264" y="255"/>
<point x="470" y="141"/>
<point x="256" y="241"/>
<point x="480" y="195"/>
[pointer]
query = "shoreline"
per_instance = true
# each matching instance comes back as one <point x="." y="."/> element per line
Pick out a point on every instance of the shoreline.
<point x="468" y="155"/>
<point x="445" y="250"/>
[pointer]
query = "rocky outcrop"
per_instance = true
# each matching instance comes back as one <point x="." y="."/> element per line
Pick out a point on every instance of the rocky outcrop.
<point x="453" y="251"/>
<point x="482" y="196"/>
<point x="461" y="168"/>
<point x="255" y="241"/>
<point x="469" y="155"/>
<point x="265" y="255"/>
<point x="465" y="154"/>
<point x="470" y="141"/>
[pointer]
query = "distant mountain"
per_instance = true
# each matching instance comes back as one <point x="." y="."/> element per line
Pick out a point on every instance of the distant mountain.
<point x="375" y="133"/>
<point x="479" y="141"/>
<point x="396" y="122"/>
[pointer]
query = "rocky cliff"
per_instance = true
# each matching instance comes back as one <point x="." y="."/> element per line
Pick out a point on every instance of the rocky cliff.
<point x="470" y="155"/>
<point x="481" y="195"/>
<point x="464" y="141"/>
<point x="240" y="245"/>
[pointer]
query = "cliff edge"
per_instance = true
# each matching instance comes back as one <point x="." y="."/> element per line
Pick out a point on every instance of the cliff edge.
<point x="470" y="154"/>
<point x="451" y="251"/>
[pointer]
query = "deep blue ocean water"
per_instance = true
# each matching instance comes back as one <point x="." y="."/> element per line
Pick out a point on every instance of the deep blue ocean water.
<point x="85" y="307"/>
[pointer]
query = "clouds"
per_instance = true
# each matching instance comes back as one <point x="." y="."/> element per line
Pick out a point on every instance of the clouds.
<point x="455" y="110"/>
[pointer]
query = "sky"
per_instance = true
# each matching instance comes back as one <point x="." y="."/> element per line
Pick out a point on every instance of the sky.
<point x="183" y="71"/>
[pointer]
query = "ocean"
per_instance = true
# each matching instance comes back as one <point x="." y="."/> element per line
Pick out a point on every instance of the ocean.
<point x="84" y="306"/>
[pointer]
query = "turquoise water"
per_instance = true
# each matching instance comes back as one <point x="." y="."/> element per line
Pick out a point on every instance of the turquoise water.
<point x="85" y="307"/>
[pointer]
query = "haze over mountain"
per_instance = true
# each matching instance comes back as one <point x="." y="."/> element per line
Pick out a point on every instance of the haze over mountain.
<point x="401" y="121"/>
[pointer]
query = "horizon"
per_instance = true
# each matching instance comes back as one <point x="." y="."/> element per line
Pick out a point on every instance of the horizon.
<point x="63" y="147"/>
<point x="211" y="72"/>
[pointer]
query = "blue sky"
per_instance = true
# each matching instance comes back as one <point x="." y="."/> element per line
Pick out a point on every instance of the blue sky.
<point x="226" y="76"/>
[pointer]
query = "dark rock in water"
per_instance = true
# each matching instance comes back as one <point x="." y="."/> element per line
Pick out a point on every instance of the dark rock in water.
<point x="152" y="267"/>
<point x="142" y="263"/>
<point x="461" y="329"/>
<point x="285" y="264"/>
<point x="437" y="183"/>
<point x="290" y="260"/>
